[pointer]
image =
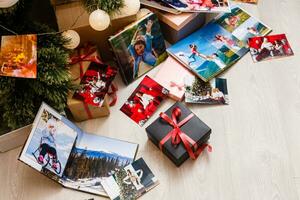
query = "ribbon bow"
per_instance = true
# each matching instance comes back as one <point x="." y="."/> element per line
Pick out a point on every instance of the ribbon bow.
<point x="86" y="56"/>
<point x="177" y="136"/>
<point x="179" y="87"/>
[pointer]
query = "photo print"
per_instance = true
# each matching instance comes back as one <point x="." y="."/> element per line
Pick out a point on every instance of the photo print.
<point x="212" y="92"/>
<point x="130" y="182"/>
<point x="200" y="5"/>
<point x="139" y="48"/>
<point x="18" y="56"/>
<point x="144" y="100"/>
<point x="269" y="47"/>
<point x="95" y="84"/>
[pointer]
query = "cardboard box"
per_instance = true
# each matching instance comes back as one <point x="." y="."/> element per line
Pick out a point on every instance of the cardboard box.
<point x="74" y="16"/>
<point x="176" y="27"/>
<point x="79" y="112"/>
<point x="14" y="138"/>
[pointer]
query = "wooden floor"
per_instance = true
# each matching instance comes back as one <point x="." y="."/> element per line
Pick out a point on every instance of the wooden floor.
<point x="256" y="139"/>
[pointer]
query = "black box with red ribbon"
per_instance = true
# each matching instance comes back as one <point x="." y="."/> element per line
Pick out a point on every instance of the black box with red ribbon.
<point x="179" y="133"/>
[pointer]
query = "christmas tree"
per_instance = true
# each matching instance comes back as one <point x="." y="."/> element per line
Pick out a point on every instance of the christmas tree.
<point x="20" y="98"/>
<point x="108" y="6"/>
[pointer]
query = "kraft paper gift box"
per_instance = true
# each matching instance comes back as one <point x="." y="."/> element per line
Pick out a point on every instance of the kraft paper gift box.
<point x="80" y="110"/>
<point x="67" y="14"/>
<point x="177" y="26"/>
<point x="171" y="75"/>
<point x="197" y="131"/>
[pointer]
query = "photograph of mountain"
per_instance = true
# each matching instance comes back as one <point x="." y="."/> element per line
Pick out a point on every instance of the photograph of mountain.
<point x="94" y="158"/>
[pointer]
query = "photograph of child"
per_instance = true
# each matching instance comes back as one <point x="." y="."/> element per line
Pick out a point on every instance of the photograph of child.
<point x="94" y="158"/>
<point x="139" y="48"/>
<point x="18" y="56"/>
<point x="247" y="1"/>
<point x="50" y="142"/>
<point x="144" y="101"/>
<point x="212" y="92"/>
<point x="200" y="5"/>
<point x="130" y="182"/>
<point x="95" y="84"/>
<point x="269" y="47"/>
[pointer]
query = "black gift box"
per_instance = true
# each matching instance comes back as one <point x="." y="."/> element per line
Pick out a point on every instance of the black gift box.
<point x="194" y="128"/>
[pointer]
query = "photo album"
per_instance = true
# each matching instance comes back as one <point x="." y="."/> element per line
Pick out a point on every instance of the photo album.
<point x="212" y="92"/>
<point x="219" y="44"/>
<point x="139" y="48"/>
<point x="209" y="6"/>
<point x="61" y="151"/>
<point x="269" y="47"/>
<point x="144" y="100"/>
<point x="160" y="5"/>
<point x="95" y="83"/>
<point x="130" y="182"/>
<point x="18" y="56"/>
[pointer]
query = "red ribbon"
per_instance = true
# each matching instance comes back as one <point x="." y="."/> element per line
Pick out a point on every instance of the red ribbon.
<point x="173" y="84"/>
<point x="86" y="56"/>
<point x="113" y="94"/>
<point x="178" y="136"/>
<point x="88" y="50"/>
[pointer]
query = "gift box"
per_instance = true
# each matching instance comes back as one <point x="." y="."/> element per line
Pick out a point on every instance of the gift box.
<point x="177" y="26"/>
<point x="171" y="75"/>
<point x="66" y="19"/>
<point x="179" y="133"/>
<point x="80" y="62"/>
<point x="82" y="111"/>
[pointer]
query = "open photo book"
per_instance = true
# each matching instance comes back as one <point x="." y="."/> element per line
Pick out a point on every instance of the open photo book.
<point x="59" y="149"/>
<point x="219" y="44"/>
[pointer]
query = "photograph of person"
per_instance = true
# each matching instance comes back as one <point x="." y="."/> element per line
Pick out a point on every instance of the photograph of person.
<point x="139" y="48"/>
<point x="50" y="142"/>
<point x="144" y="100"/>
<point x="18" y="56"/>
<point x="200" y="5"/>
<point x="269" y="47"/>
<point x="130" y="182"/>
<point x="95" y="84"/>
<point x="204" y="54"/>
<point x="212" y="92"/>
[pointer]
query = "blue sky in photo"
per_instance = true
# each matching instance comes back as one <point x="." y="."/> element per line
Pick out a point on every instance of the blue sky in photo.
<point x="203" y="46"/>
<point x="65" y="138"/>
<point x="109" y="145"/>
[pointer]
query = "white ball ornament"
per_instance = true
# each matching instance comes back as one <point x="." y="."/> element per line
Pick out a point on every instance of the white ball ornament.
<point x="142" y="12"/>
<point x="99" y="20"/>
<point x="74" y="38"/>
<point x="131" y="7"/>
<point x="7" y="3"/>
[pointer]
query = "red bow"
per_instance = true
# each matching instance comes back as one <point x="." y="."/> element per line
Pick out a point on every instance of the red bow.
<point x="178" y="136"/>
<point x="173" y="84"/>
<point x="86" y="56"/>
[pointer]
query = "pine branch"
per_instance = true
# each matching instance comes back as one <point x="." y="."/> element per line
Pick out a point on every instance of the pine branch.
<point x="108" y="6"/>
